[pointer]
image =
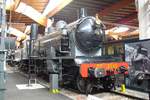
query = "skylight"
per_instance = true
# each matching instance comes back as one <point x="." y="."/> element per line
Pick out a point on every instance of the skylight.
<point x="120" y="29"/>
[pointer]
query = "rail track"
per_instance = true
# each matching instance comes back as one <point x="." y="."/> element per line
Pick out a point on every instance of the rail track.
<point x="100" y="95"/>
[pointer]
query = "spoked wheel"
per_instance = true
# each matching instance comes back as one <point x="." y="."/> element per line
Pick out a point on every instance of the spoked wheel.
<point x="81" y="84"/>
<point x="108" y="83"/>
<point x="89" y="88"/>
<point x="109" y="86"/>
<point x="84" y="85"/>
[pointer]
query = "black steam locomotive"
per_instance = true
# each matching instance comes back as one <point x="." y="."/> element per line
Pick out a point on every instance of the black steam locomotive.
<point x="73" y="54"/>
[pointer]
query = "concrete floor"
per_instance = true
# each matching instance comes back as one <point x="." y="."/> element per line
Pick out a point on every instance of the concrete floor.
<point x="12" y="93"/>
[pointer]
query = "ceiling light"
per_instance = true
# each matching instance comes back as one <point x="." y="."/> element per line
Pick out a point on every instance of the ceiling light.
<point x="108" y="31"/>
<point x="120" y="29"/>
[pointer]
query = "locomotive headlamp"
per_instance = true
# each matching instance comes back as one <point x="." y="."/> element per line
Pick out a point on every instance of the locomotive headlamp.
<point x="99" y="72"/>
<point x="96" y="72"/>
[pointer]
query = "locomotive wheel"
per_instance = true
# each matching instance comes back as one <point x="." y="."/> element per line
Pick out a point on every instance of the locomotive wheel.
<point x="89" y="88"/>
<point x="84" y="85"/>
<point x="108" y="84"/>
<point x="81" y="84"/>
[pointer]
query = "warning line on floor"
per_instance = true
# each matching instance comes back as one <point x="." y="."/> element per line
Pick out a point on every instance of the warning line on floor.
<point x="31" y="87"/>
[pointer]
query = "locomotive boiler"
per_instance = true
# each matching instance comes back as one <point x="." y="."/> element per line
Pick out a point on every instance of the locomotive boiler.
<point x="74" y="55"/>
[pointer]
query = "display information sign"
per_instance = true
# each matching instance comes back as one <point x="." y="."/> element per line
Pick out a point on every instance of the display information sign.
<point x="137" y="54"/>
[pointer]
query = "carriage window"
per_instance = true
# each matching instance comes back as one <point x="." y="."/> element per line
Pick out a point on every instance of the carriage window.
<point x="110" y="50"/>
<point x="114" y="50"/>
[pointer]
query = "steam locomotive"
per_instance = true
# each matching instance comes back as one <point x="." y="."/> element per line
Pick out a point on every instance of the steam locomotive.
<point x="75" y="54"/>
